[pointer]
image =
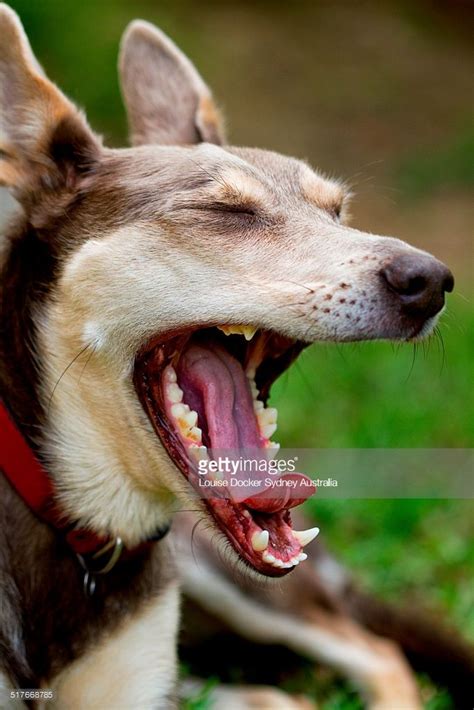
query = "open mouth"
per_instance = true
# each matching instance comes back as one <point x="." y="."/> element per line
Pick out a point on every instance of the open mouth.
<point x="205" y="391"/>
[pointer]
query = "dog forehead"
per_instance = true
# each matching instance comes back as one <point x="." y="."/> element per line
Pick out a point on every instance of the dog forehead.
<point x="292" y="178"/>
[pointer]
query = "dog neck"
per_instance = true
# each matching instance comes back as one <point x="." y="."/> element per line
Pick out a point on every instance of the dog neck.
<point x="30" y="265"/>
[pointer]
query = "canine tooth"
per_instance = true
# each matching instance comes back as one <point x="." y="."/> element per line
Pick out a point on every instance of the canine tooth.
<point x="268" y="430"/>
<point x="174" y="392"/>
<point x="191" y="418"/>
<point x="257" y="405"/>
<point x="304" y="537"/>
<point x="178" y="410"/>
<point x="170" y="374"/>
<point x="246" y="330"/>
<point x="302" y="557"/>
<point x="195" y="433"/>
<point x="260" y="540"/>
<point x="266" y="557"/>
<point x="251" y="373"/>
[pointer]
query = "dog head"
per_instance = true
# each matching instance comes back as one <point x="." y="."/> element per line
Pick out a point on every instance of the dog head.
<point x="185" y="275"/>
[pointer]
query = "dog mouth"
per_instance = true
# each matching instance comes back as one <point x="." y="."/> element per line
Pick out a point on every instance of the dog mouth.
<point x="205" y="391"/>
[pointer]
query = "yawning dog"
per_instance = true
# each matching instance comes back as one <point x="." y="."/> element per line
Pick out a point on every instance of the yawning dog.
<point x="150" y="297"/>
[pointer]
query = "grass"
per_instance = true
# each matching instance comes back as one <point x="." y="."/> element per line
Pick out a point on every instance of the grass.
<point x="383" y="395"/>
<point x="447" y="166"/>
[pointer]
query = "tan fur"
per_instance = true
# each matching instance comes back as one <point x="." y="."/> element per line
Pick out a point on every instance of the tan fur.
<point x="133" y="667"/>
<point x="326" y="195"/>
<point x="153" y="70"/>
<point x="35" y="108"/>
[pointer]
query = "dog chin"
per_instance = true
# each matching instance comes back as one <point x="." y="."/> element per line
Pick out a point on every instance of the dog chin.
<point x="426" y="329"/>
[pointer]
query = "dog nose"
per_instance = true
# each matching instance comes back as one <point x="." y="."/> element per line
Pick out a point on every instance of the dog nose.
<point x="420" y="281"/>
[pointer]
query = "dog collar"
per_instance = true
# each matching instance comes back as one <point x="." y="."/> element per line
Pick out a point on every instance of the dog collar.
<point x="97" y="554"/>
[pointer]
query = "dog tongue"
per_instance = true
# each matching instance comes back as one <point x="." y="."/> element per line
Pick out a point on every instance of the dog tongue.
<point x="293" y="489"/>
<point x="216" y="387"/>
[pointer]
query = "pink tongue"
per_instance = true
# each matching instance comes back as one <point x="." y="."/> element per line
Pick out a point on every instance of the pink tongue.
<point x="295" y="489"/>
<point x="215" y="385"/>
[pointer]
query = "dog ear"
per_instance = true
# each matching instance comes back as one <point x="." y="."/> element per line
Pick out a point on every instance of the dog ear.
<point x="167" y="101"/>
<point x="45" y="142"/>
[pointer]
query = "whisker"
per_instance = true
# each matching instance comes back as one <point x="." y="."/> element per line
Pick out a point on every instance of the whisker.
<point x="83" y="350"/>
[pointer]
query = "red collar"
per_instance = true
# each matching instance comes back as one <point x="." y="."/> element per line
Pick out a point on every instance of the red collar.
<point x="33" y="484"/>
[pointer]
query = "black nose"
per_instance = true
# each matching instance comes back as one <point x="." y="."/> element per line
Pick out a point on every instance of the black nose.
<point x="420" y="281"/>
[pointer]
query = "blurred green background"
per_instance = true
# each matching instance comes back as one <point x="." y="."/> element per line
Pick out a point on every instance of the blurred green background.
<point x="379" y="93"/>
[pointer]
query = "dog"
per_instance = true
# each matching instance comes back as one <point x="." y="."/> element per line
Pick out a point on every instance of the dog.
<point x="150" y="297"/>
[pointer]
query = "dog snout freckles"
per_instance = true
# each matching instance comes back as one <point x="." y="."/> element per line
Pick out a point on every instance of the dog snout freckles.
<point x="419" y="282"/>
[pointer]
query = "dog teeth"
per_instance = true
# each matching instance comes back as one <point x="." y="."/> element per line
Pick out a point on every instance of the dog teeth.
<point x="258" y="406"/>
<point x="251" y="372"/>
<point x="178" y="411"/>
<point x="268" y="430"/>
<point x="267" y="416"/>
<point x="190" y="418"/>
<point x="195" y="434"/>
<point x="246" y="330"/>
<point x="276" y="562"/>
<point x="174" y="392"/>
<point x="169" y="374"/>
<point x="304" y="537"/>
<point x="260" y="540"/>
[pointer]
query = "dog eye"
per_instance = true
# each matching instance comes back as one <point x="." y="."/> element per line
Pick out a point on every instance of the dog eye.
<point x="226" y="208"/>
<point x="236" y="210"/>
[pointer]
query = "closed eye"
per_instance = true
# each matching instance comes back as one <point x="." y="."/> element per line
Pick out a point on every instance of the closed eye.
<point x="229" y="208"/>
<point x="244" y="209"/>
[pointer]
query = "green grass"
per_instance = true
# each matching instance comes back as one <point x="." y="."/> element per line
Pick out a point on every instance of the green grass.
<point x="446" y="166"/>
<point x="381" y="395"/>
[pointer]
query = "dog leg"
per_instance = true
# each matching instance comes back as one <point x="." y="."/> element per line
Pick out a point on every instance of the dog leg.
<point x="374" y="664"/>
<point x="236" y="697"/>
<point x="135" y="667"/>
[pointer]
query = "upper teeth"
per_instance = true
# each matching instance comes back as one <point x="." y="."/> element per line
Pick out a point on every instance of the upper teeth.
<point x="184" y="417"/>
<point x="304" y="537"/>
<point x="266" y="416"/>
<point x="246" y="330"/>
<point x="174" y="392"/>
